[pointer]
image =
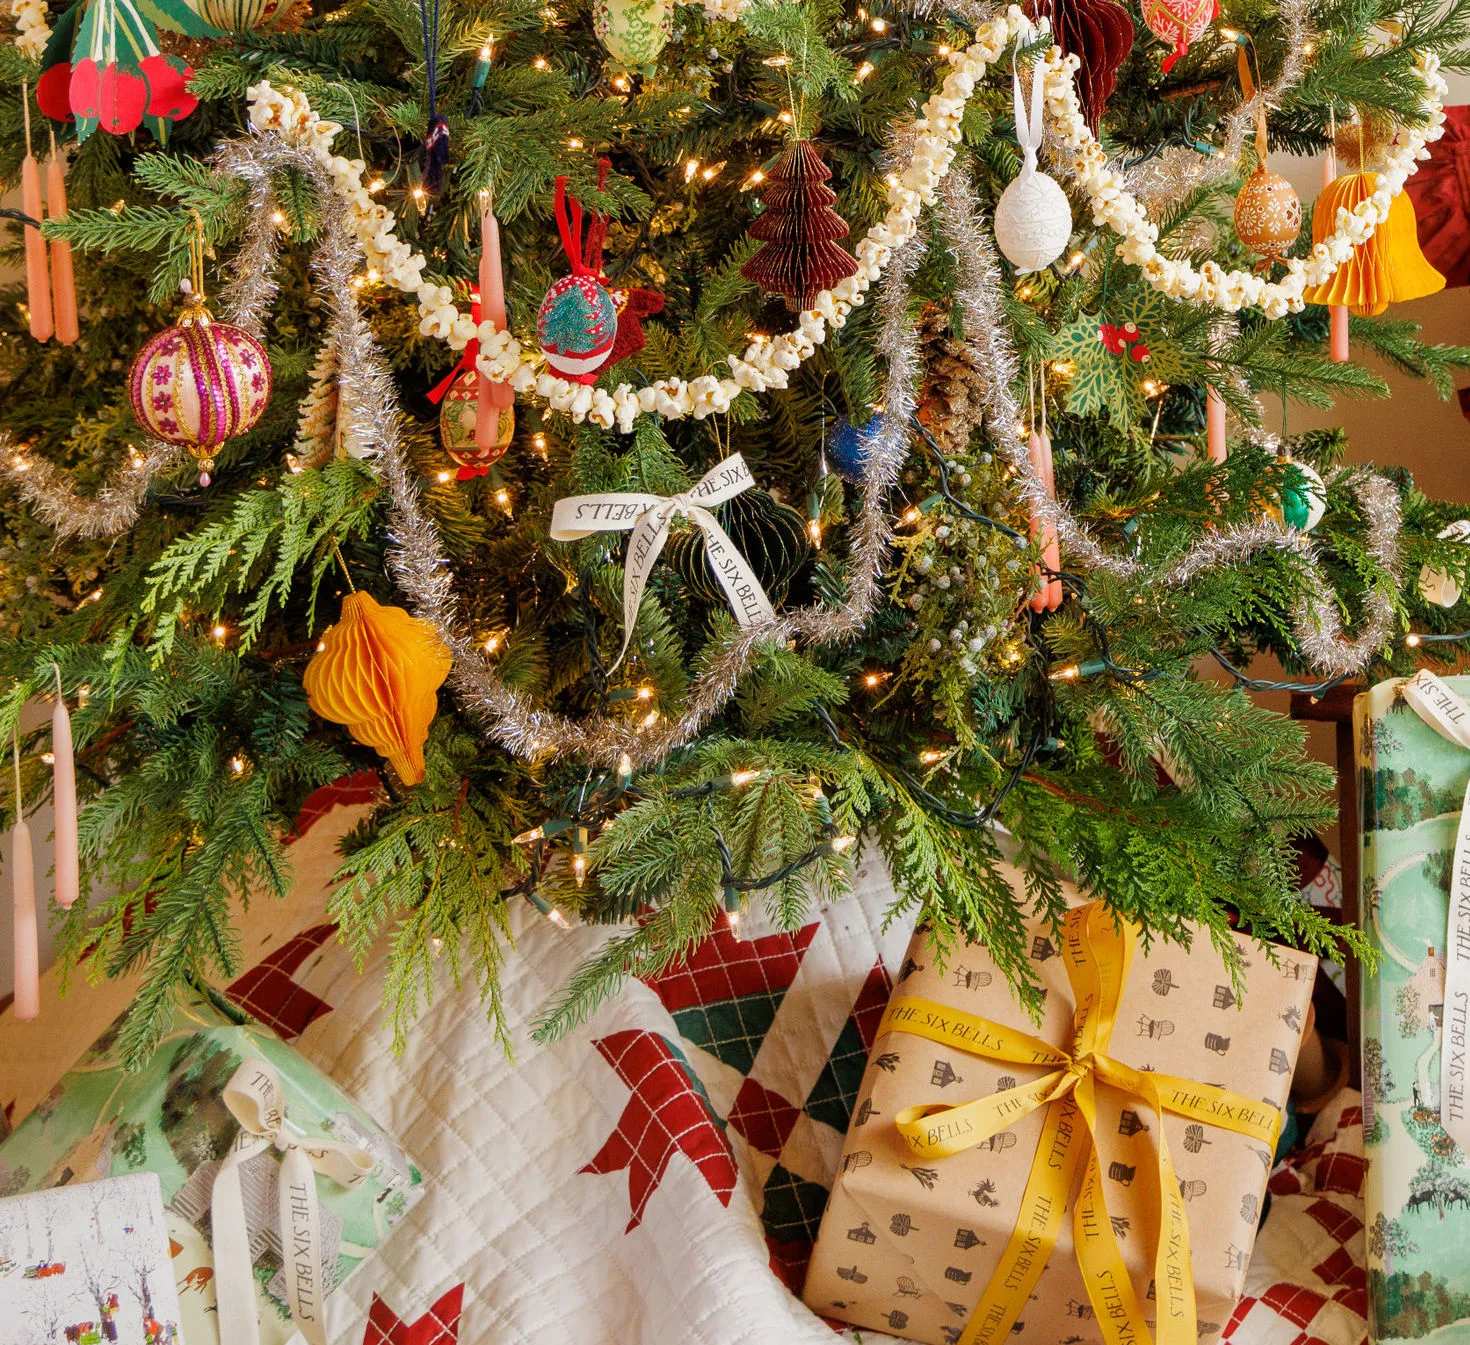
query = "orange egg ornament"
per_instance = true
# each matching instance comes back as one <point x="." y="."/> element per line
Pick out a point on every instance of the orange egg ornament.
<point x="377" y="671"/>
<point x="1386" y="269"/>
<point x="1268" y="214"/>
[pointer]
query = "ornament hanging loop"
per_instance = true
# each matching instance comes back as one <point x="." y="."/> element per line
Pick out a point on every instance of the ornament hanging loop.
<point x="1029" y="125"/>
<point x="585" y="259"/>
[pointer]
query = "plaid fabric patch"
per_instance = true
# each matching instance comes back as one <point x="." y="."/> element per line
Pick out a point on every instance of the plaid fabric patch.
<point x="438" y="1326"/>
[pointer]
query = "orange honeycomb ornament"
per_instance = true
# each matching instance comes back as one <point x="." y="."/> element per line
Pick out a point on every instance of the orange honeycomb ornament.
<point x="378" y="671"/>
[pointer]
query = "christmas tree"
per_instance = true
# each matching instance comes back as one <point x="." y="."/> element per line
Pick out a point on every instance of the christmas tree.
<point x="1055" y="493"/>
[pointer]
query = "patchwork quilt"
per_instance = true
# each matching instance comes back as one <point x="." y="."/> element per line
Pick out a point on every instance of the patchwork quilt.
<point x="659" y="1176"/>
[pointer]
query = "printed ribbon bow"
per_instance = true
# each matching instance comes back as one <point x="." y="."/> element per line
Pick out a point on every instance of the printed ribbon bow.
<point x="1448" y="715"/>
<point x="649" y="517"/>
<point x="1098" y="951"/>
<point x="255" y="1099"/>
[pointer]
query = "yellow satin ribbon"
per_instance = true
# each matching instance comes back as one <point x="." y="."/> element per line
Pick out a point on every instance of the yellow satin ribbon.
<point x="1098" y="951"/>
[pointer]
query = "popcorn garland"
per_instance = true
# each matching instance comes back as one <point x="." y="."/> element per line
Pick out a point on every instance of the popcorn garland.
<point x="769" y="361"/>
<point x="1113" y="205"/>
<point x="32" y="30"/>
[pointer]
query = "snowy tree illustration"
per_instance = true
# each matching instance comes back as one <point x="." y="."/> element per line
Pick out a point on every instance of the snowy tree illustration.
<point x="1406" y="1005"/>
<point x="1388" y="1238"/>
<point x="102" y="1283"/>
<point x="194" y="1119"/>
<point x="1441" y="1183"/>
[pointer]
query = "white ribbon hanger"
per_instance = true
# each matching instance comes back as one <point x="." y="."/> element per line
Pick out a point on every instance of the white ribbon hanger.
<point x="649" y="516"/>
<point x="255" y="1099"/>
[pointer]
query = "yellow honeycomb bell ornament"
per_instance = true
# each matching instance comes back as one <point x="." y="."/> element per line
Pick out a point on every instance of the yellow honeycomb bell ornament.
<point x="378" y="671"/>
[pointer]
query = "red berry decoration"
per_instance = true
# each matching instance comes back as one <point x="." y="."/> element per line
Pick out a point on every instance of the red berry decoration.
<point x="801" y="257"/>
<point x="1100" y="34"/>
<point x="123" y="100"/>
<point x="53" y="92"/>
<point x="168" y="86"/>
<point x="84" y="90"/>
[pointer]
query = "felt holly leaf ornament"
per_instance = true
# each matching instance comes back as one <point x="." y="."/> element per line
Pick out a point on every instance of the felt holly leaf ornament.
<point x="1120" y="356"/>
<point x="103" y="67"/>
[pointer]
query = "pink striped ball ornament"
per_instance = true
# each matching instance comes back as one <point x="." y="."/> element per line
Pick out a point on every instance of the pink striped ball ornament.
<point x="200" y="383"/>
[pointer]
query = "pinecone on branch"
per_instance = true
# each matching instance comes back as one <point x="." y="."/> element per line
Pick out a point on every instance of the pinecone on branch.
<point x="800" y="258"/>
<point x="951" y="400"/>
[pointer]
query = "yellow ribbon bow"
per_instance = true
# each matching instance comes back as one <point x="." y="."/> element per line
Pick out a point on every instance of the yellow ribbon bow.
<point x="1098" y="950"/>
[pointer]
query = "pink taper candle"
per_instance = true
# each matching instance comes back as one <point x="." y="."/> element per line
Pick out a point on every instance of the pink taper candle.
<point x="27" y="933"/>
<point x="64" y="776"/>
<point x="63" y="282"/>
<point x="1048" y="596"/>
<point x="38" y="279"/>
<point x="1337" y="315"/>
<point x="1214" y="426"/>
<point x="493" y="397"/>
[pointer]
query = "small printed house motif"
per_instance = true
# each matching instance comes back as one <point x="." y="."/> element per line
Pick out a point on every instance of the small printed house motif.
<point x="1216" y="1043"/>
<point x="1224" y="997"/>
<point x="901" y="1225"/>
<point x="971" y="980"/>
<point x="1129" y="1123"/>
<point x="1154" y="1028"/>
<point x="1042" y="948"/>
<point x="942" y="1075"/>
<point x="861" y="1159"/>
<point x="1279" y="1062"/>
<point x="1082" y="1311"/>
<point x="957" y="1275"/>
<point x="1164" y="981"/>
<point x="964" y="1239"/>
<point x="862" y="1233"/>
<point x="851" y="1273"/>
<point x="1122" y="1173"/>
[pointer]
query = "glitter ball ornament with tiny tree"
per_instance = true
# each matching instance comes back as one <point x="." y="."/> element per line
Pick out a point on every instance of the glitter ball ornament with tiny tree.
<point x="200" y="383"/>
<point x="1033" y="218"/>
<point x="801" y="257"/>
<point x="578" y="322"/>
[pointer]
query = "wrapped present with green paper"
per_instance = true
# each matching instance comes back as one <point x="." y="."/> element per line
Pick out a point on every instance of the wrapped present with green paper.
<point x="1413" y="743"/>
<point x="276" y="1184"/>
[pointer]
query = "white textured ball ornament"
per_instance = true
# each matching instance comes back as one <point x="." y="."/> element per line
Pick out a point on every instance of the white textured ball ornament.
<point x="1439" y="586"/>
<point x="1033" y="222"/>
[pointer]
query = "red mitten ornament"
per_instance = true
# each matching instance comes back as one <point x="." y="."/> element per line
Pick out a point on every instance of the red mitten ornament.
<point x="578" y="322"/>
<point x="801" y="257"/>
<point x="1100" y="34"/>
<point x="633" y="305"/>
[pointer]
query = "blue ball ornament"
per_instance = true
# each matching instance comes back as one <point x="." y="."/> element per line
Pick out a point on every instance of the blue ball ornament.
<point x="850" y="447"/>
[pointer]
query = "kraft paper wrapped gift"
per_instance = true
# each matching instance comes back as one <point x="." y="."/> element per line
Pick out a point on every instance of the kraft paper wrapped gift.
<point x="88" y="1264"/>
<point x="915" y="1232"/>
<point x="1414" y="753"/>
<point x="180" y="1117"/>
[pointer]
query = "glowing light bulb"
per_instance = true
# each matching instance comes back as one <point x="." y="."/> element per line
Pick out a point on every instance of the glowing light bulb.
<point x="690" y="169"/>
<point x="739" y="778"/>
<point x="443" y="477"/>
<point x="842" y="843"/>
<point x="237" y="764"/>
<point x="1413" y="641"/>
<point x="880" y="25"/>
<point x="579" y="869"/>
<point x="219" y="632"/>
<point x="862" y="72"/>
<point x="645" y="693"/>
<point x="574" y="143"/>
<point x="930" y="756"/>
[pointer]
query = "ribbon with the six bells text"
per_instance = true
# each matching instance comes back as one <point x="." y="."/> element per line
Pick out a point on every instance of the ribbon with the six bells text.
<point x="1097" y="950"/>
<point x="649" y="516"/>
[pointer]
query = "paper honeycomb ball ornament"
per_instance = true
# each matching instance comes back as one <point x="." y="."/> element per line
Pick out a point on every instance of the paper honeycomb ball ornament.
<point x="236" y="16"/>
<point x="1387" y="268"/>
<point x="849" y="447"/>
<point x="633" y="32"/>
<point x="199" y="384"/>
<point x="1268" y="214"/>
<point x="457" y="415"/>
<point x="772" y="536"/>
<point x="577" y="326"/>
<point x="1033" y="218"/>
<point x="378" y="672"/>
<point x="1178" y="22"/>
<point x="1099" y="33"/>
<point x="1439" y="586"/>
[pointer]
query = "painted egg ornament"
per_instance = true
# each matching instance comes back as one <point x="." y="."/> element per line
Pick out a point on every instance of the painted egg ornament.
<point x="633" y="32"/>
<point x="1268" y="214"/>
<point x="1439" y="586"/>
<point x="236" y="16"/>
<point x="1178" y="22"/>
<point x="457" y="417"/>
<point x="850" y="447"/>
<point x="1033" y="218"/>
<point x="577" y="326"/>
<point x="199" y="384"/>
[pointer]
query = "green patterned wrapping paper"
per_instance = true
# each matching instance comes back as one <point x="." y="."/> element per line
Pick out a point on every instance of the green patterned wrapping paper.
<point x="1417" y="1194"/>
<point x="168" y="1118"/>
